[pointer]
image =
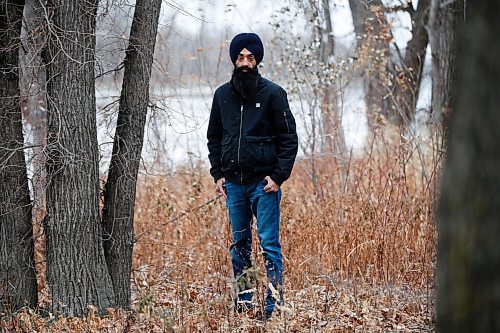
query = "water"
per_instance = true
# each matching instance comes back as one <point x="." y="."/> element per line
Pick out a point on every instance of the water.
<point x="176" y="127"/>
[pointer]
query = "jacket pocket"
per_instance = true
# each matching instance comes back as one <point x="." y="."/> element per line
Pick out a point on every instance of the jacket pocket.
<point x="260" y="150"/>
<point x="228" y="154"/>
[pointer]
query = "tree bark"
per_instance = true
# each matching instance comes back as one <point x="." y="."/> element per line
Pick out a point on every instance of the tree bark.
<point x="359" y="14"/>
<point x="119" y="197"/>
<point x="328" y="41"/>
<point x="376" y="44"/>
<point x="77" y="274"/>
<point x="18" y="285"/>
<point x="444" y="16"/>
<point x="468" y="278"/>
<point x="373" y="36"/>
<point x="330" y="114"/>
<point x="414" y="61"/>
<point x="34" y="105"/>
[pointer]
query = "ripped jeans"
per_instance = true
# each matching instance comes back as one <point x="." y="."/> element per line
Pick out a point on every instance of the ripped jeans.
<point x="243" y="202"/>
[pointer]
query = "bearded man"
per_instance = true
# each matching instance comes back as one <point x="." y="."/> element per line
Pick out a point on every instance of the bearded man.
<point x="252" y="144"/>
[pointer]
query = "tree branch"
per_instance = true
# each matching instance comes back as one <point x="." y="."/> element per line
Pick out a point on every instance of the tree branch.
<point x="117" y="69"/>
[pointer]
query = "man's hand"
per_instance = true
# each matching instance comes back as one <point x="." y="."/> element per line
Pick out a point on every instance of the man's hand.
<point x="271" y="185"/>
<point x="220" y="186"/>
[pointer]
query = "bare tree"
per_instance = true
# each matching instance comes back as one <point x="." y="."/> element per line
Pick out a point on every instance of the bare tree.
<point x="77" y="274"/>
<point x="468" y="276"/>
<point x="373" y="36"/>
<point x="18" y="285"/>
<point x="334" y="143"/>
<point x="443" y="19"/>
<point x="331" y="118"/>
<point x="359" y="14"/>
<point x="413" y="65"/>
<point x="119" y="197"/>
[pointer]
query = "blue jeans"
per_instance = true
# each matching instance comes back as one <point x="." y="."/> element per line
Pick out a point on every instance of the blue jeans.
<point x="243" y="202"/>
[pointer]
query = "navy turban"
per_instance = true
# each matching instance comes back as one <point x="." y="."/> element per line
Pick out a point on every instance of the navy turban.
<point x="249" y="41"/>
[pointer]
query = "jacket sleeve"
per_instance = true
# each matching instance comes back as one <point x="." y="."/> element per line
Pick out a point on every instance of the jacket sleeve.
<point x="214" y="136"/>
<point x="286" y="137"/>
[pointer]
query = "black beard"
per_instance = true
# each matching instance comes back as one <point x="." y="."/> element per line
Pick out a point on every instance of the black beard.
<point x="245" y="83"/>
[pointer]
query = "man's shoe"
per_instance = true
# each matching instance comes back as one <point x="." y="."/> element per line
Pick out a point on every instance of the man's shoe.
<point x="263" y="315"/>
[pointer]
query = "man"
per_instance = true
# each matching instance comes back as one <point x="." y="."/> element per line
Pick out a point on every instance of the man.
<point x="252" y="145"/>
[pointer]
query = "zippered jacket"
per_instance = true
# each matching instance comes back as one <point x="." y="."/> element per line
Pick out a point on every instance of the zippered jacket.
<point x="250" y="140"/>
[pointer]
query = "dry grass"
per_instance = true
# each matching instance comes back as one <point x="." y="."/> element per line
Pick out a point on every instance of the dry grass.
<point x="359" y="253"/>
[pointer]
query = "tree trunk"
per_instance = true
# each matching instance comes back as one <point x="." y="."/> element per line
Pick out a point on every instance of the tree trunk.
<point x="372" y="53"/>
<point x="334" y="140"/>
<point x="442" y="21"/>
<point x="332" y="125"/>
<point x="414" y="61"/>
<point x="77" y="274"/>
<point x="359" y="14"/>
<point x="468" y="275"/>
<point x="18" y="285"/>
<point x="119" y="197"/>
<point x="34" y="102"/>
<point x="330" y="113"/>
<point x="376" y="48"/>
<point x="328" y="41"/>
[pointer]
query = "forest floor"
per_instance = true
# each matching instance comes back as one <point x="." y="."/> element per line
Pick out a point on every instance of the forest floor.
<point x="359" y="244"/>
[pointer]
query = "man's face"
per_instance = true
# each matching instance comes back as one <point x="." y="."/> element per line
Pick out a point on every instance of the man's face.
<point x="246" y="59"/>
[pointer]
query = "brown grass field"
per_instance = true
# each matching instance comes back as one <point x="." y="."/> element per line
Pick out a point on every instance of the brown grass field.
<point x="359" y="242"/>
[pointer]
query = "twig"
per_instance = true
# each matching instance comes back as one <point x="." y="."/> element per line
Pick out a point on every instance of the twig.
<point x="189" y="211"/>
<point x="119" y="68"/>
<point x="184" y="213"/>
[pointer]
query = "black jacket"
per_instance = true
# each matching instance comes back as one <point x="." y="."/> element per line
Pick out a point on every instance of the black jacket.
<point x="251" y="140"/>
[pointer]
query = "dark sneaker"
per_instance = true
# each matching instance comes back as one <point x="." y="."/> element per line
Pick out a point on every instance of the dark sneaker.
<point x="263" y="316"/>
